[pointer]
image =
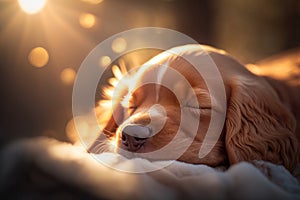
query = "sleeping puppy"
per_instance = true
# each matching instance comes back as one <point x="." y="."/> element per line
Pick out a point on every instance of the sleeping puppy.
<point x="166" y="98"/>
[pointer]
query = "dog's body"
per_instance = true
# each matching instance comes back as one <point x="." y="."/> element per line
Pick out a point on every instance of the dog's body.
<point x="259" y="112"/>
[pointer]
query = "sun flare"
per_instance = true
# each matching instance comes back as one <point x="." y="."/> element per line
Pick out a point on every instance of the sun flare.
<point x="32" y="6"/>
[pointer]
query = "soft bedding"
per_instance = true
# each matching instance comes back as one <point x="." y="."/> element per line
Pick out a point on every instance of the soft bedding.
<point x="49" y="169"/>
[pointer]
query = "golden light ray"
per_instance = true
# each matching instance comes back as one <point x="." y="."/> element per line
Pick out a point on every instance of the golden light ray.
<point x="87" y="20"/>
<point x="68" y="76"/>
<point x="123" y="67"/>
<point x="92" y="1"/>
<point x="104" y="103"/>
<point x="56" y="18"/>
<point x="117" y="72"/>
<point x="32" y="6"/>
<point x="113" y="82"/>
<point x="108" y="92"/>
<point x="38" y="57"/>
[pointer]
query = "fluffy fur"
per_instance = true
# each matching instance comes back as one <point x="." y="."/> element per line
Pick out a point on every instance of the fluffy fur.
<point x="259" y="124"/>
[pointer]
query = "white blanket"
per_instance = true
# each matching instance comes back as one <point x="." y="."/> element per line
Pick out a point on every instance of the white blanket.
<point x="36" y="167"/>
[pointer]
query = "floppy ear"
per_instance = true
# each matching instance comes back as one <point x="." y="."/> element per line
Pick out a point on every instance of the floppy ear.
<point x="258" y="125"/>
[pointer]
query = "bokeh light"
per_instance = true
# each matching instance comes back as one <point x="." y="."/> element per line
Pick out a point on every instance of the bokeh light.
<point x="87" y="20"/>
<point x="119" y="45"/>
<point x="67" y="76"/>
<point x="104" y="61"/>
<point x="32" y="6"/>
<point x="92" y="1"/>
<point x="38" y="57"/>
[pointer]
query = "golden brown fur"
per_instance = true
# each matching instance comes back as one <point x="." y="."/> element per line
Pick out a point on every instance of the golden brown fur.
<point x="259" y="125"/>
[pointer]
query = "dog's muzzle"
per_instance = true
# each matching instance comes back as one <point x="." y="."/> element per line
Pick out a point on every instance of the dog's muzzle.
<point x="134" y="136"/>
<point x="135" y="131"/>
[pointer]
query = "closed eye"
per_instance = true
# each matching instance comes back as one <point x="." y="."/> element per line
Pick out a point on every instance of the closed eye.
<point x="132" y="107"/>
<point x="201" y="101"/>
<point x="195" y="104"/>
<point x="196" y="110"/>
<point x="199" y="107"/>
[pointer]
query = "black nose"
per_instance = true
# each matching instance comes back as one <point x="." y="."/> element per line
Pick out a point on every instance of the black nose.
<point x="130" y="141"/>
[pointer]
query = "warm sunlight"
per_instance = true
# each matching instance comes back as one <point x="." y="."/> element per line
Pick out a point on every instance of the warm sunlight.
<point x="38" y="57"/>
<point x="32" y="6"/>
<point x="92" y="1"/>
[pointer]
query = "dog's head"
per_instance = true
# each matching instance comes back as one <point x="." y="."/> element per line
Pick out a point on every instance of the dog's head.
<point x="167" y="101"/>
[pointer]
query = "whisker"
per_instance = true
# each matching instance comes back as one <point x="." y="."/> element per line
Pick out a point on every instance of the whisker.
<point x="101" y="147"/>
<point x="108" y="133"/>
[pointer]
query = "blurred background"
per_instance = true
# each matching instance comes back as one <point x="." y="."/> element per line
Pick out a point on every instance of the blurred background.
<point x="44" y="42"/>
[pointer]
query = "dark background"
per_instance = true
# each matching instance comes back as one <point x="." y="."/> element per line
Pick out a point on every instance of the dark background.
<point x="34" y="101"/>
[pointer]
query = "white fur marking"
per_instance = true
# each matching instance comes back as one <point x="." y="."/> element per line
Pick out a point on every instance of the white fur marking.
<point x="160" y="76"/>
